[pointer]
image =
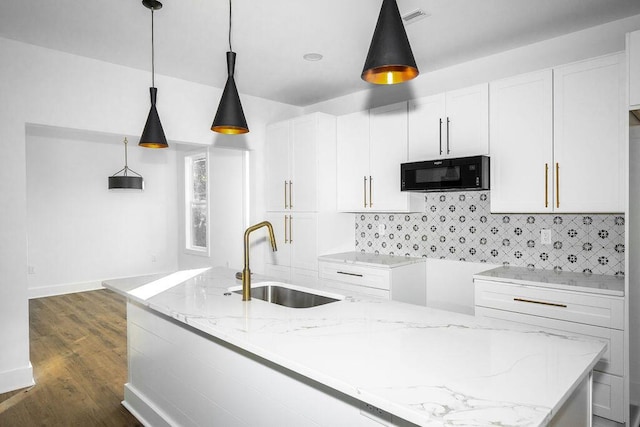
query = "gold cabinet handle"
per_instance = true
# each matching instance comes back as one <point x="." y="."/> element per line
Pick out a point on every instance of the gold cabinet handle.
<point x="557" y="185"/>
<point x="546" y="185"/>
<point x="290" y="233"/>
<point x="290" y="192"/>
<point x="364" y="191"/>
<point x="370" y="191"/>
<point x="530" y="301"/>
<point x="286" y="240"/>
<point x="285" y="194"/>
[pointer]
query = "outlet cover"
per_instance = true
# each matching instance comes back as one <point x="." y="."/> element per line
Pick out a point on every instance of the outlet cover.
<point x="545" y="236"/>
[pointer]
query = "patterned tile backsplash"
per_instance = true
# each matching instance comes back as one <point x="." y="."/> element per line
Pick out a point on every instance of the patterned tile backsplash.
<point x="460" y="226"/>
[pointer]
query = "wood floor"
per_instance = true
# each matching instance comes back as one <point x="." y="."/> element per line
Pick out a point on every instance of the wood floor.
<point x="79" y="357"/>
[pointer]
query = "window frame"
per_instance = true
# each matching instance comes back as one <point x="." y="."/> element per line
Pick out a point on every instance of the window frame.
<point x="189" y="160"/>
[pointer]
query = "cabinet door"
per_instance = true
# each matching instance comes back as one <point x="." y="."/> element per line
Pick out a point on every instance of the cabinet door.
<point x="304" y="165"/>
<point x="303" y="240"/>
<point x="426" y="128"/>
<point x="589" y="113"/>
<point x="467" y="122"/>
<point x="277" y="166"/>
<point x="352" y="160"/>
<point x="280" y="223"/>
<point x="521" y="127"/>
<point x="388" y="148"/>
<point x="634" y="69"/>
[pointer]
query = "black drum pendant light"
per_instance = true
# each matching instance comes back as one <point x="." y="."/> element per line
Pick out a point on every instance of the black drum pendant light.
<point x="126" y="181"/>
<point x="153" y="135"/>
<point x="230" y="117"/>
<point x="390" y="59"/>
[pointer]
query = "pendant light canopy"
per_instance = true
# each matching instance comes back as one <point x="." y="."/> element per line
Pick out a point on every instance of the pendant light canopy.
<point x="390" y="59"/>
<point x="126" y="181"/>
<point x="230" y="116"/>
<point x="153" y="135"/>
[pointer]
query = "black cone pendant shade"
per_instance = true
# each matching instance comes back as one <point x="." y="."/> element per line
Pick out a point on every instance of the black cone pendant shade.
<point x="390" y="59"/>
<point x="230" y="116"/>
<point x="153" y="135"/>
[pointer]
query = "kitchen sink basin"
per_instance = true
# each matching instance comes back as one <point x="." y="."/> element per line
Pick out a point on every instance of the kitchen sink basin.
<point x="289" y="295"/>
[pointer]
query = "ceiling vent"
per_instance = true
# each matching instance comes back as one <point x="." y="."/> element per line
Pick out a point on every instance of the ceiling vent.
<point x="415" y="16"/>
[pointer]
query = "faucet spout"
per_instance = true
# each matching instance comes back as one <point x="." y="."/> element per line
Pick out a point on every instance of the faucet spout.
<point x="246" y="272"/>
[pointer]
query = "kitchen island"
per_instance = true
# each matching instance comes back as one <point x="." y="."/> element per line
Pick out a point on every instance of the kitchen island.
<point x="199" y="355"/>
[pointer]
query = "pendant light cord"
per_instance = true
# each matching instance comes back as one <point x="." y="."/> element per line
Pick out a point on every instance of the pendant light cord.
<point x="153" y="73"/>
<point x="230" y="49"/>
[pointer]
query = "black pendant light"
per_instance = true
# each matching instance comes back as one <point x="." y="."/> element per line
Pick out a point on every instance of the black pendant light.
<point x="230" y="117"/>
<point x="153" y="135"/>
<point x="126" y="181"/>
<point x="390" y="59"/>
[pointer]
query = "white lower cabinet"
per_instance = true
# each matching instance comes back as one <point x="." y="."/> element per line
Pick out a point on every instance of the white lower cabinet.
<point x="594" y="316"/>
<point x="404" y="283"/>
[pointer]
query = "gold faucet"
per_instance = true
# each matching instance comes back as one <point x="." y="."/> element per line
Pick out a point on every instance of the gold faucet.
<point x="246" y="273"/>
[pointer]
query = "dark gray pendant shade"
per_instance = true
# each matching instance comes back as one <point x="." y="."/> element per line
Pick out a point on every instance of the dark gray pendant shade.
<point x="230" y="116"/>
<point x="153" y="135"/>
<point x="390" y="59"/>
<point x="126" y="181"/>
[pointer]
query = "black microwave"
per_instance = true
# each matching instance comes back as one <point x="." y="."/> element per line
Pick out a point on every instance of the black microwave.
<point x="455" y="174"/>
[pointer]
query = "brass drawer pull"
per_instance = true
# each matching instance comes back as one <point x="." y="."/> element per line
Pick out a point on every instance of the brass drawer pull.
<point x="553" y="304"/>
<point x="350" y="274"/>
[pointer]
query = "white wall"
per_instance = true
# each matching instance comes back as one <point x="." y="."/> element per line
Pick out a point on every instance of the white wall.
<point x="46" y="87"/>
<point x="79" y="232"/>
<point x="589" y="43"/>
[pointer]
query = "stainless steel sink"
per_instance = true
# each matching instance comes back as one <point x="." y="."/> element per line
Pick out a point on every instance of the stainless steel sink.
<point x="289" y="295"/>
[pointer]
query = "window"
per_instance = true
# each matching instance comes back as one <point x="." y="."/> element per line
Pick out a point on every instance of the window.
<point x="196" y="167"/>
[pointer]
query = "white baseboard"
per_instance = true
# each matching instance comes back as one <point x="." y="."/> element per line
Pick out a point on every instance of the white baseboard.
<point x="16" y="379"/>
<point x="143" y="409"/>
<point x="70" y="288"/>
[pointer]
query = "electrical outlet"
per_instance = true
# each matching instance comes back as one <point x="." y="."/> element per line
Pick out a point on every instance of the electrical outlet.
<point x="153" y="258"/>
<point x="376" y="414"/>
<point x="382" y="229"/>
<point x="545" y="236"/>
<point x="31" y="269"/>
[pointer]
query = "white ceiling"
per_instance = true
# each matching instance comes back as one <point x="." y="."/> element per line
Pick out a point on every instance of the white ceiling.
<point x="270" y="36"/>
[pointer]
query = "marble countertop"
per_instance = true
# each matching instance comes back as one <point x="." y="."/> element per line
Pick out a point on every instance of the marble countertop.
<point x="427" y="366"/>
<point x="372" y="260"/>
<point x="592" y="283"/>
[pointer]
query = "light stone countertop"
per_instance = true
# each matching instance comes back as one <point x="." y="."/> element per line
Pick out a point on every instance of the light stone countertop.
<point x="427" y="366"/>
<point x="371" y="260"/>
<point x="591" y="283"/>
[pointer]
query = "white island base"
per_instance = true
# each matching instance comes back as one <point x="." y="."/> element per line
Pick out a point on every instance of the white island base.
<point x="180" y="376"/>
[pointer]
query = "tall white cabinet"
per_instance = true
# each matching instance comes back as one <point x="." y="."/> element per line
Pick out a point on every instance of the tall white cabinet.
<point x="371" y="146"/>
<point x="557" y="139"/>
<point x="300" y="196"/>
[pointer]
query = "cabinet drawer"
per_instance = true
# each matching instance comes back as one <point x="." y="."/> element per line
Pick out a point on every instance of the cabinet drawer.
<point x="355" y="274"/>
<point x="612" y="360"/>
<point x="608" y="396"/>
<point x="579" y="307"/>
<point x="347" y="288"/>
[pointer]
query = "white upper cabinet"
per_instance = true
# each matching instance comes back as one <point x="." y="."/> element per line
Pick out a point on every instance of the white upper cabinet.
<point x="451" y="124"/>
<point x="557" y="142"/>
<point x="633" y="47"/>
<point x="301" y="164"/>
<point x="371" y="146"/>
<point x="589" y="118"/>
<point x="353" y="161"/>
<point x="521" y="122"/>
